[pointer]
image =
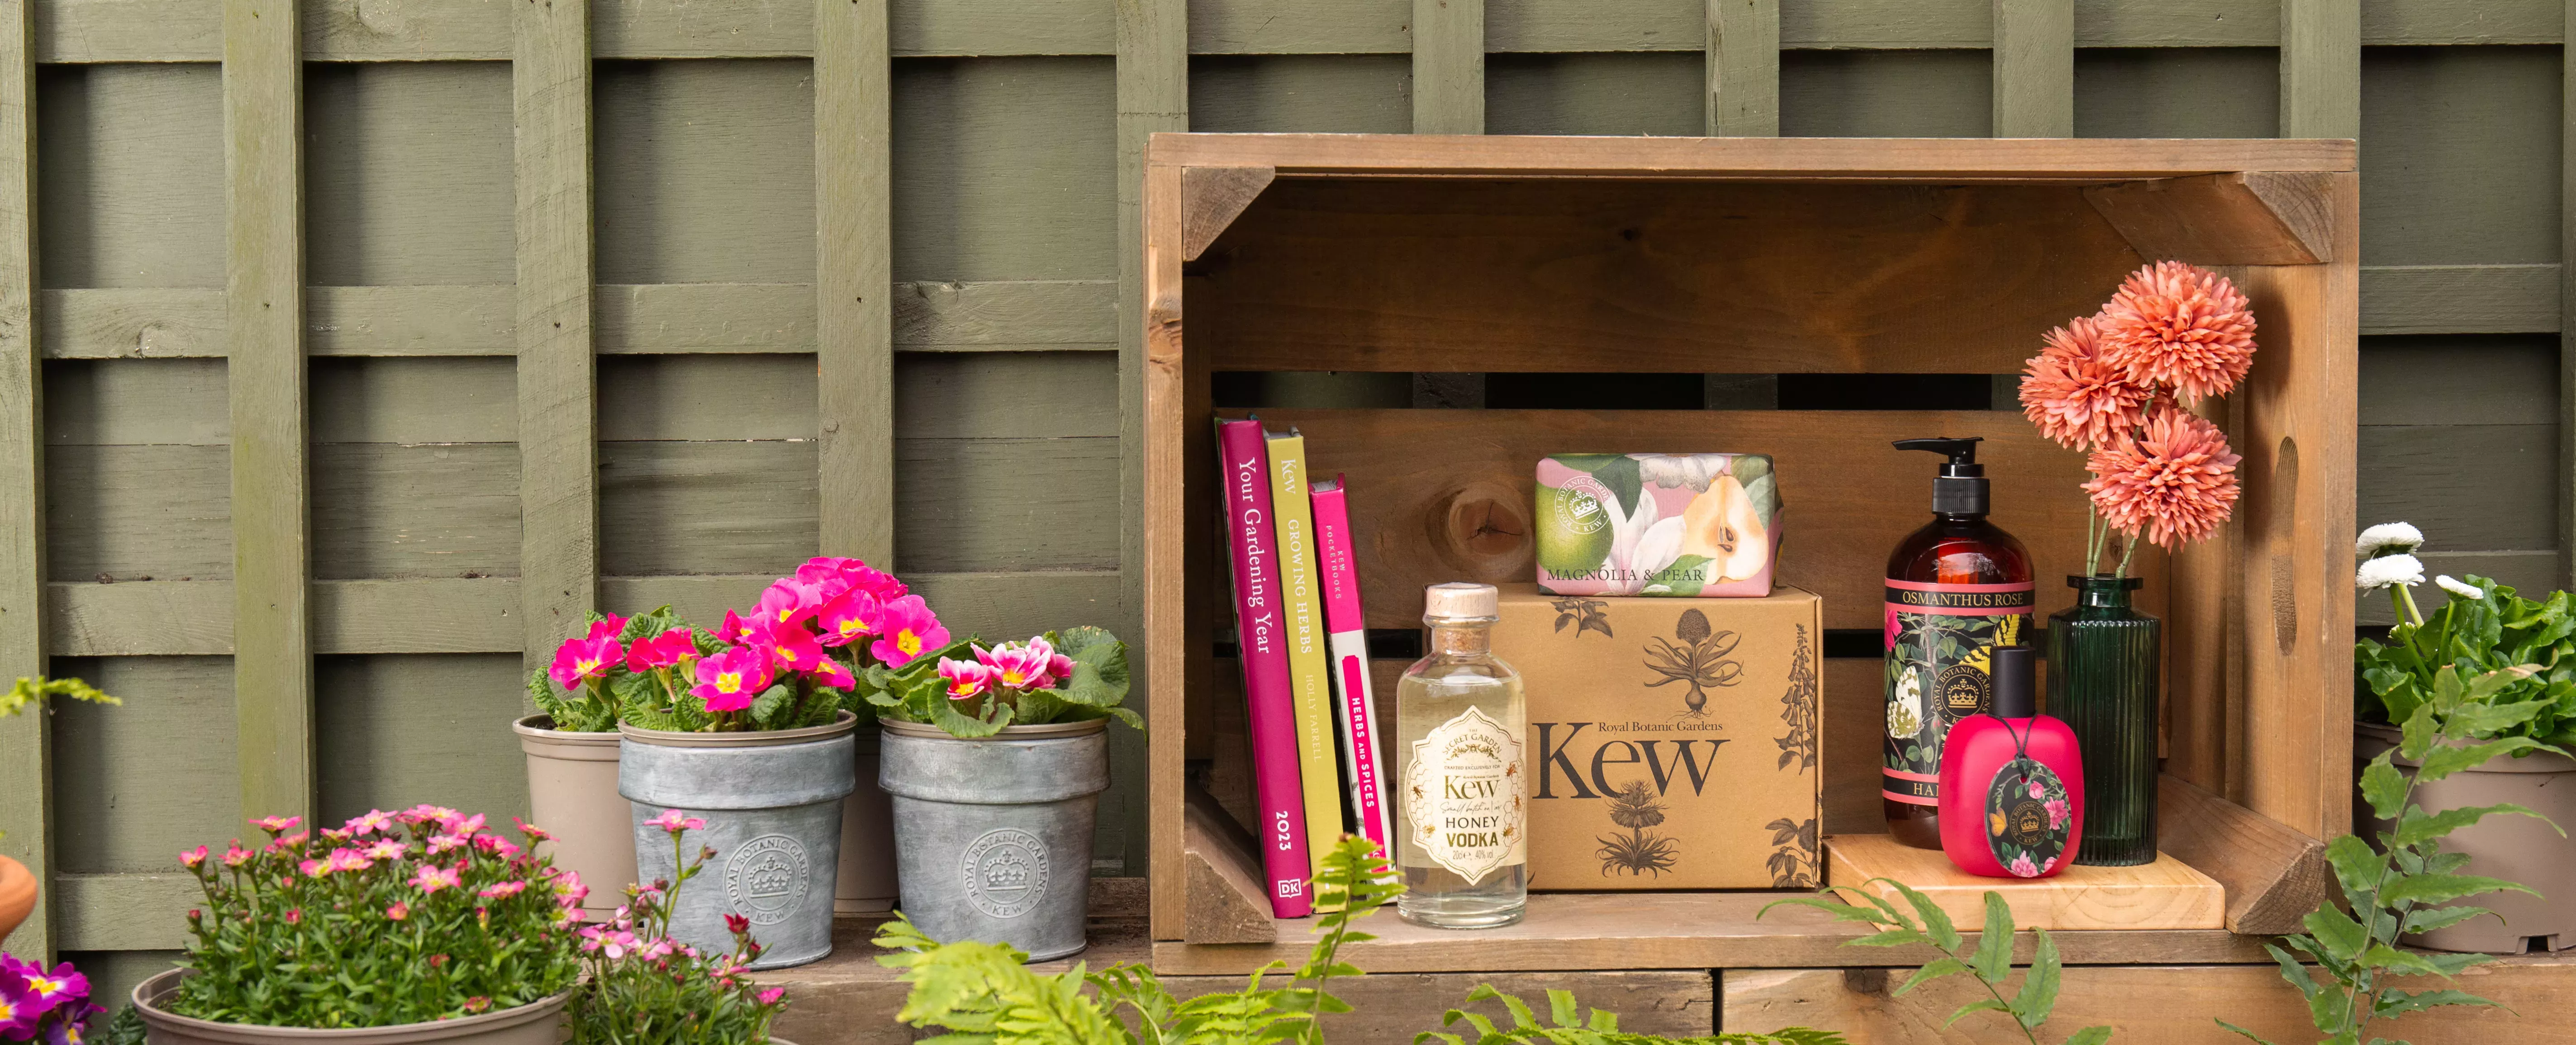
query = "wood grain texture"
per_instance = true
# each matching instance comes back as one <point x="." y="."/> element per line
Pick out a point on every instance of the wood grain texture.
<point x="1448" y="66"/>
<point x="264" y="328"/>
<point x="2320" y="69"/>
<point x="1920" y="159"/>
<point x="558" y="445"/>
<point x="392" y="729"/>
<point x="854" y="256"/>
<point x="26" y="759"/>
<point x="122" y="820"/>
<point x="1153" y="97"/>
<point x="126" y="912"/>
<point x="2165" y="894"/>
<point x="2170" y="1006"/>
<point x="1333" y="275"/>
<point x="1211" y="198"/>
<point x="1172" y="668"/>
<point x="1743" y="81"/>
<point x="2273" y="875"/>
<point x="2221" y="219"/>
<point x="2466" y="155"/>
<point x="1227" y="903"/>
<point x="407" y="165"/>
<point x="2034" y="68"/>
<point x="2459" y="299"/>
<point x="2566" y="513"/>
<point x="1620" y="92"/>
<point x="1669" y="931"/>
<point x="131" y="186"/>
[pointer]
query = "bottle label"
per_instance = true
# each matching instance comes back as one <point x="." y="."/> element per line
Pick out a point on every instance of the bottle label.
<point x="2028" y="818"/>
<point x="1467" y="800"/>
<point x="1940" y="642"/>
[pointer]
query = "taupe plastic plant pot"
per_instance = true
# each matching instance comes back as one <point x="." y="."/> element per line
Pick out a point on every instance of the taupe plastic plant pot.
<point x="572" y="793"/>
<point x="2514" y="848"/>
<point x="866" y="884"/>
<point x="536" y="1023"/>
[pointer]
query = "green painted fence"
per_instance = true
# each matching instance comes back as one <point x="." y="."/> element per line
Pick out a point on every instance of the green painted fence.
<point x="349" y="351"/>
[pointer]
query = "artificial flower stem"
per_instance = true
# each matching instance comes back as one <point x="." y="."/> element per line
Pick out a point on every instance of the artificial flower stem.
<point x="2125" y="556"/>
<point x="2406" y="602"/>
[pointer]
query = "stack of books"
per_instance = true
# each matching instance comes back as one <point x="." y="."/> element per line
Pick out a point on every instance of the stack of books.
<point x="1304" y="646"/>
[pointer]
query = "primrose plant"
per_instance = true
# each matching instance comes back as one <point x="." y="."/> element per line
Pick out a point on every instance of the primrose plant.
<point x="1070" y="676"/>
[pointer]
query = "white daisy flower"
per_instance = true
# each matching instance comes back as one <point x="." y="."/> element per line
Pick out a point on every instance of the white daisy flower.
<point x="2462" y="589"/>
<point x="2396" y="536"/>
<point x="2387" y="570"/>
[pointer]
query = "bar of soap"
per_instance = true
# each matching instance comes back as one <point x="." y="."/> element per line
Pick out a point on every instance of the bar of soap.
<point x="1693" y="525"/>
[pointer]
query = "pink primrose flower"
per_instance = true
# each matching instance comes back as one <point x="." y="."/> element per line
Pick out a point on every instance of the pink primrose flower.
<point x="580" y="660"/>
<point x="788" y="602"/>
<point x="236" y="856"/>
<point x="849" y="618"/>
<point x="675" y="821"/>
<point x="661" y="651"/>
<point x="734" y="629"/>
<point x="370" y="822"/>
<point x="608" y="627"/>
<point x="876" y="582"/>
<point x="530" y="831"/>
<point x="791" y="647"/>
<point x="966" y="679"/>
<point x="277" y="825"/>
<point x="1020" y="665"/>
<point x="193" y="858"/>
<point x="443" y="843"/>
<point x="387" y="849"/>
<point x="431" y="878"/>
<point x="497" y="890"/>
<point x="314" y="868"/>
<point x="1061" y="667"/>
<point x="830" y="576"/>
<point x="398" y="910"/>
<point x="907" y="629"/>
<point x="771" y="996"/>
<point x="729" y="680"/>
<point x="830" y="674"/>
<point x="496" y="845"/>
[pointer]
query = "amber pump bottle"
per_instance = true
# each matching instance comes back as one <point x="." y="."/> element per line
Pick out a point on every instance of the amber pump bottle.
<point x="1956" y="589"/>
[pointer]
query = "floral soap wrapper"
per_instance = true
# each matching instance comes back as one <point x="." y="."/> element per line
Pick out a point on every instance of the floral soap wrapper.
<point x="1705" y="525"/>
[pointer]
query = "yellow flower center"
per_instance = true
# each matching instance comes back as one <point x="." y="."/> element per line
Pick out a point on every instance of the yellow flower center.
<point x="586" y="666"/>
<point x="1013" y="678"/>
<point x="728" y="682"/>
<point x="787" y="655"/>
<point x="908" y="642"/>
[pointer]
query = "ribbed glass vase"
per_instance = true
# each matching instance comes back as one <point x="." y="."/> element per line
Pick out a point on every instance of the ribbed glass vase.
<point x="2102" y="657"/>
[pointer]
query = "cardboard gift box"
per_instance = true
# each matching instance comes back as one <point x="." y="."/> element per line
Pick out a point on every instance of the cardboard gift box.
<point x="1657" y="524"/>
<point x="1675" y="742"/>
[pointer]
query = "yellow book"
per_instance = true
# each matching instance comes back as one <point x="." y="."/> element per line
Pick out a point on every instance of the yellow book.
<point x="1308" y="678"/>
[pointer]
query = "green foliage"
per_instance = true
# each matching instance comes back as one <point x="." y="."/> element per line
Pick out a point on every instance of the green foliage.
<point x="2495" y="631"/>
<point x="985" y="993"/>
<point x="1989" y="962"/>
<point x="2407" y="884"/>
<point x="916" y="692"/>
<point x="1574" y="1025"/>
<point x="34" y="692"/>
<point x="124" y="1028"/>
<point x="641" y="990"/>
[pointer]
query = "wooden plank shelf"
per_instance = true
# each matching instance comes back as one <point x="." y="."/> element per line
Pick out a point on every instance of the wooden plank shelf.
<point x="1469" y="254"/>
<point x="2166" y="894"/>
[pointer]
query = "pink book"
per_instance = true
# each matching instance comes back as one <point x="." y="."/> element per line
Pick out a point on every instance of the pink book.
<point x="1349" y="649"/>
<point x="1260" y="629"/>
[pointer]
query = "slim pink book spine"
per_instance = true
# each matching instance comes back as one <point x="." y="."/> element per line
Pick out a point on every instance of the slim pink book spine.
<point x="1259" y="630"/>
<point x="1349" y="649"/>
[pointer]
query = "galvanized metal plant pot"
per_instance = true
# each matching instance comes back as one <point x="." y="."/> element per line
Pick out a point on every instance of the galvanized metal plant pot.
<point x="993" y="836"/>
<point x="536" y="1023"/>
<point x="772" y="803"/>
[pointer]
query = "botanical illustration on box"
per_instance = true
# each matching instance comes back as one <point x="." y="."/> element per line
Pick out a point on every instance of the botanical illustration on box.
<point x="1701" y="658"/>
<point x="1657" y="524"/>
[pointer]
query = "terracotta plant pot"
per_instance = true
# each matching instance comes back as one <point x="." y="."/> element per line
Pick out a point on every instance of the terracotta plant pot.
<point x="536" y="1023"/>
<point x="866" y="883"/>
<point x="17" y="896"/>
<point x="572" y="792"/>
<point x="2514" y="848"/>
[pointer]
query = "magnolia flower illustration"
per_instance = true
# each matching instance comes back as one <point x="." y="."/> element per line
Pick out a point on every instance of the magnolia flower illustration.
<point x="1642" y="544"/>
<point x="1676" y="470"/>
<point x="1905" y="710"/>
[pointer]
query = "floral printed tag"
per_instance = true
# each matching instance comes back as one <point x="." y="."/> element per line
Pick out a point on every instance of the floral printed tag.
<point x="2027" y="818"/>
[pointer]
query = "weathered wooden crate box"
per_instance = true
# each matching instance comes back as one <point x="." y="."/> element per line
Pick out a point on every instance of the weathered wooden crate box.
<point x="1644" y="256"/>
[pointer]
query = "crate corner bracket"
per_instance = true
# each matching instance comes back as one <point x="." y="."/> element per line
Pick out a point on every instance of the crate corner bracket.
<point x="1212" y="197"/>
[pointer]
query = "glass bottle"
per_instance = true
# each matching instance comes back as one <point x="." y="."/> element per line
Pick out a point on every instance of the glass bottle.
<point x="2102" y="664"/>
<point x="1463" y="794"/>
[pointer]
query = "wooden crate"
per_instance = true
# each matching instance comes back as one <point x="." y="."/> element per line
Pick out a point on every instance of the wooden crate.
<point x="1659" y="255"/>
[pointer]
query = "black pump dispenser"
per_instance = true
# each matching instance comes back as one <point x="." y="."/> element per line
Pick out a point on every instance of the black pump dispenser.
<point x="1961" y="487"/>
<point x="2015" y="694"/>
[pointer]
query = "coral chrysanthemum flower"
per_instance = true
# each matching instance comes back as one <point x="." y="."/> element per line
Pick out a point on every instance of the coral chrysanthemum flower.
<point x="2174" y="484"/>
<point x="2074" y="395"/>
<point x="2182" y="325"/>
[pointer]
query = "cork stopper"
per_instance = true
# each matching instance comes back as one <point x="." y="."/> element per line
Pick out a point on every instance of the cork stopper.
<point x="1460" y="601"/>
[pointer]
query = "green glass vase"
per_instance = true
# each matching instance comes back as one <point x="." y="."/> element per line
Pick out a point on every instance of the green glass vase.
<point x="2102" y="658"/>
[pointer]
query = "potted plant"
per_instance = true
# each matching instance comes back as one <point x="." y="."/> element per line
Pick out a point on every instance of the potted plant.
<point x="36" y="1005"/>
<point x="996" y="762"/>
<point x="392" y="928"/>
<point x="17" y="884"/>
<point x="2483" y="627"/>
<point x="753" y="723"/>
<point x="571" y="747"/>
<point x="645" y="988"/>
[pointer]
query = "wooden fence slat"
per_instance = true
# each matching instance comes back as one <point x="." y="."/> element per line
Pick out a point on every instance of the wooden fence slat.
<point x="854" y="259"/>
<point x="2566" y="305"/>
<point x="263" y="78"/>
<point x="2034" y="69"/>
<point x="558" y="413"/>
<point x="1153" y="96"/>
<point x="2320" y="69"/>
<point x="1743" y="84"/>
<point x="1448" y="66"/>
<point x="26" y="768"/>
